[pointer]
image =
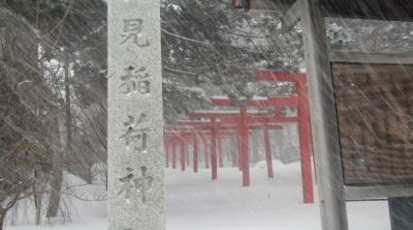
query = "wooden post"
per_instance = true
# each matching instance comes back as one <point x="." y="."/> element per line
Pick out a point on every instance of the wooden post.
<point x="244" y="148"/>
<point x="323" y="118"/>
<point x="268" y="154"/>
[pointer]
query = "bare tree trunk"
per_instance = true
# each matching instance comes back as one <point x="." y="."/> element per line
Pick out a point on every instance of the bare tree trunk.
<point x="57" y="172"/>
<point x="106" y="180"/>
<point x="59" y="156"/>
<point x="2" y="218"/>
<point x="90" y="174"/>
<point x="3" y="211"/>
<point x="68" y="107"/>
<point x="37" y="197"/>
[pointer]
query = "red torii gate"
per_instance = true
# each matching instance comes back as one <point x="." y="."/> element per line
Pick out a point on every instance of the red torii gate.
<point x="205" y="127"/>
<point x="243" y="137"/>
<point x="185" y="135"/>
<point x="215" y="127"/>
<point x="300" y="101"/>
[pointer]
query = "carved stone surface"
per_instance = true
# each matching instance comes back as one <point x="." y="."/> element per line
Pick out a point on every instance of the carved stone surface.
<point x="135" y="124"/>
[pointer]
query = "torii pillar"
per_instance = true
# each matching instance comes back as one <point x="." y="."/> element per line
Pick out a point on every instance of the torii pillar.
<point x="303" y="121"/>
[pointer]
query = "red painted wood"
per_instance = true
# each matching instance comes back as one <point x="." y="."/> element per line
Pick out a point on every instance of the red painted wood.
<point x="254" y="121"/>
<point x="211" y="114"/>
<point x="188" y="140"/>
<point x="228" y="125"/>
<point x="268" y="154"/>
<point x="230" y="120"/>
<point x="301" y="101"/>
<point x="234" y="119"/>
<point x="283" y="101"/>
<point x="305" y="143"/>
<point x="177" y="132"/>
<point x="221" y="101"/>
<point x="303" y="117"/>
<point x="270" y="101"/>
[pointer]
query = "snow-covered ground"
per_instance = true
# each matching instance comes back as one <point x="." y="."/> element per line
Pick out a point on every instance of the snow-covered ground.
<point x="194" y="202"/>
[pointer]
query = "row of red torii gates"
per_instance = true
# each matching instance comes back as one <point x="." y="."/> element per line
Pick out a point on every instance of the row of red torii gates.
<point x="211" y="126"/>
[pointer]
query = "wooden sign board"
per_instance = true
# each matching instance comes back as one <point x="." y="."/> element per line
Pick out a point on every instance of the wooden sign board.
<point x="374" y="104"/>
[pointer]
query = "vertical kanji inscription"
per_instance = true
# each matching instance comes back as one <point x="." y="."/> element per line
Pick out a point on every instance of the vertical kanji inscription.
<point x="135" y="120"/>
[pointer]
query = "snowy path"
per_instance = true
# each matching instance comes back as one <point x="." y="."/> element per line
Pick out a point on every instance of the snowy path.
<point x="194" y="202"/>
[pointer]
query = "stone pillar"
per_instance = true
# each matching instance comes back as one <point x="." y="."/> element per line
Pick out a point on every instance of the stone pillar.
<point x="135" y="132"/>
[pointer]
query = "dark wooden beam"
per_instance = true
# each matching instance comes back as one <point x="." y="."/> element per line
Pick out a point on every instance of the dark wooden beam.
<point x="391" y="10"/>
<point x="292" y="16"/>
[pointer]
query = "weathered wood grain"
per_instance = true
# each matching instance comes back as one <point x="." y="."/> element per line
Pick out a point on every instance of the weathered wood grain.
<point x="374" y="111"/>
